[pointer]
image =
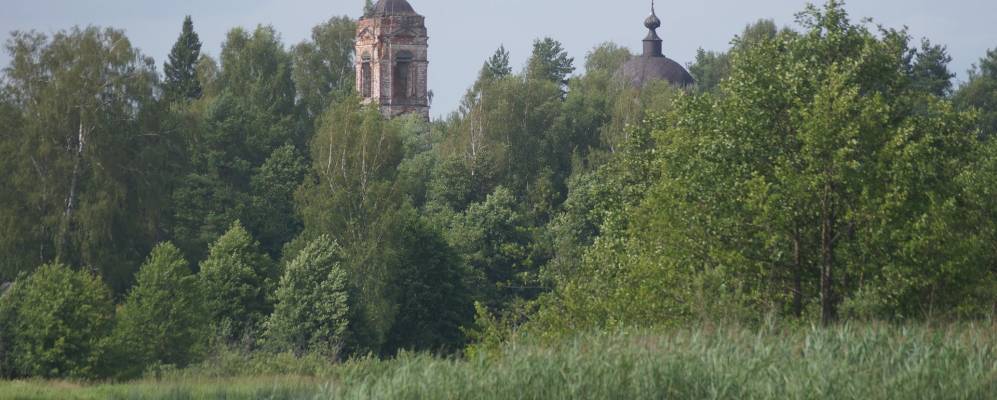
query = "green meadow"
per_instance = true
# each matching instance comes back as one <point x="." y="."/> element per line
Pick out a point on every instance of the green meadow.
<point x="853" y="361"/>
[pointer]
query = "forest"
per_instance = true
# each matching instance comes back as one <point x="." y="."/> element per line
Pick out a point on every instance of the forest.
<point x="826" y="182"/>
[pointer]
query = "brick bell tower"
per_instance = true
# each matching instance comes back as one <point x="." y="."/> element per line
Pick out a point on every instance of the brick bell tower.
<point x="392" y="66"/>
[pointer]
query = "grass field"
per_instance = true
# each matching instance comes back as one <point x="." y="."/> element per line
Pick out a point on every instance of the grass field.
<point x="847" y="362"/>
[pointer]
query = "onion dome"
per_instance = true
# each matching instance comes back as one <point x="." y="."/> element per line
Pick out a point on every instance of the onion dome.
<point x="653" y="65"/>
<point x="652" y="22"/>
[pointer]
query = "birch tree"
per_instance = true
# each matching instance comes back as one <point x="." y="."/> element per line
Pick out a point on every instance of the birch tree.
<point x="81" y="171"/>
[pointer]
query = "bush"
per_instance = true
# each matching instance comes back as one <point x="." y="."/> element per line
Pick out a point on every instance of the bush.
<point x="58" y="319"/>
<point x="311" y="310"/>
<point x="162" y="320"/>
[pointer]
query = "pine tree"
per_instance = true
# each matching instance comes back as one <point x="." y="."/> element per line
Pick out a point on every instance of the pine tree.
<point x="550" y="62"/>
<point x="930" y="72"/>
<point x="497" y="65"/>
<point x="181" y="71"/>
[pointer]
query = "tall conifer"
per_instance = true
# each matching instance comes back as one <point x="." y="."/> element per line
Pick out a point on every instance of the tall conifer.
<point x="181" y="70"/>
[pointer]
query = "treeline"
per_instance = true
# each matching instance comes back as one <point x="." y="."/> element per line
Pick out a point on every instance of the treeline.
<point x="251" y="202"/>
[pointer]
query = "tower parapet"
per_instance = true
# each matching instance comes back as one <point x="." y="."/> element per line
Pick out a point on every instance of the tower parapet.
<point x="392" y="64"/>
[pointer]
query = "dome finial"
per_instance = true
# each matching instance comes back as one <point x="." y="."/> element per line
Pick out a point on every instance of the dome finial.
<point x="652" y="43"/>
<point x="652" y="22"/>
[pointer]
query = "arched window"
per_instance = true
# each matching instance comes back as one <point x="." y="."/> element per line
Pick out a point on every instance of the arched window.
<point x="365" y="76"/>
<point x="403" y="82"/>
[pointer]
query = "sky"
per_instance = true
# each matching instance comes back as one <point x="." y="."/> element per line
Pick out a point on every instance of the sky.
<point x="463" y="33"/>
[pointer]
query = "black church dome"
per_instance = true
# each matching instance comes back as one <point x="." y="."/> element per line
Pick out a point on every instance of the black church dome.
<point x="653" y="65"/>
<point x="643" y="69"/>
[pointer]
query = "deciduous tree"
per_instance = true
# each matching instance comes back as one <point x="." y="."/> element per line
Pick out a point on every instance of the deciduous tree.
<point x="311" y="310"/>
<point x="238" y="280"/>
<point x="162" y="321"/>
<point x="59" y="320"/>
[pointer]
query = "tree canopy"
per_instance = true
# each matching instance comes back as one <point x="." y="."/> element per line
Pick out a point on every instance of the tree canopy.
<point x="251" y="203"/>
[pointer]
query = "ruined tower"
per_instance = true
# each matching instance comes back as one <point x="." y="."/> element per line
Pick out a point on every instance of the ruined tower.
<point x="391" y="59"/>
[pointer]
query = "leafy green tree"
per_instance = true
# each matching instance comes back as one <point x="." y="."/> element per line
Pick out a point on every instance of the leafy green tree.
<point x="60" y="319"/>
<point x="820" y="166"/>
<point x="323" y="68"/>
<point x="207" y="75"/>
<point x="237" y="280"/>
<point x="273" y="186"/>
<point x="980" y="93"/>
<point x="586" y="116"/>
<point x="162" y="321"/>
<point x="505" y="130"/>
<point x="311" y="310"/>
<point x="817" y="178"/>
<point x="181" y="81"/>
<point x="204" y="206"/>
<point x="355" y="157"/>
<point x="494" y="238"/>
<point x="595" y="201"/>
<point x="606" y="58"/>
<point x="15" y="231"/>
<point x="549" y="61"/>
<point x="350" y="194"/>
<point x="257" y="104"/>
<point x="430" y="290"/>
<point x="233" y="135"/>
<point x="86" y="165"/>
<point x="709" y="69"/>
<point x="590" y="272"/>
<point x="712" y="67"/>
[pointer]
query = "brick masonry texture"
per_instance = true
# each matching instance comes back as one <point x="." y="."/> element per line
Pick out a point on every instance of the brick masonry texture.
<point x="389" y="45"/>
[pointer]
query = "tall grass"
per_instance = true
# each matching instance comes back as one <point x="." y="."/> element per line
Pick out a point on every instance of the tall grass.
<point x="848" y="362"/>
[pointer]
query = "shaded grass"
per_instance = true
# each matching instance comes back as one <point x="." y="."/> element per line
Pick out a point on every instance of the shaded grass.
<point x="869" y="361"/>
<point x="259" y="387"/>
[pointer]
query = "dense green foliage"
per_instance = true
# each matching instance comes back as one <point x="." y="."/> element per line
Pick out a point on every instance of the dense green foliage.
<point x="825" y="172"/>
<point x="85" y="178"/>
<point x="237" y="280"/>
<point x="821" y="179"/>
<point x="323" y="68"/>
<point x="57" y="321"/>
<point x="311" y="310"/>
<point x="163" y="320"/>
<point x="550" y="62"/>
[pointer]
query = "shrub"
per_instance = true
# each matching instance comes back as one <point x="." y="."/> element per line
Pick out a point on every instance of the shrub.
<point x="311" y="310"/>
<point x="237" y="279"/>
<point x="58" y="319"/>
<point x="162" y="320"/>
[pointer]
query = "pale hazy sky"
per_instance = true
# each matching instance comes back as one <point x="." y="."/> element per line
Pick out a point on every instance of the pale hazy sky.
<point x="465" y="32"/>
